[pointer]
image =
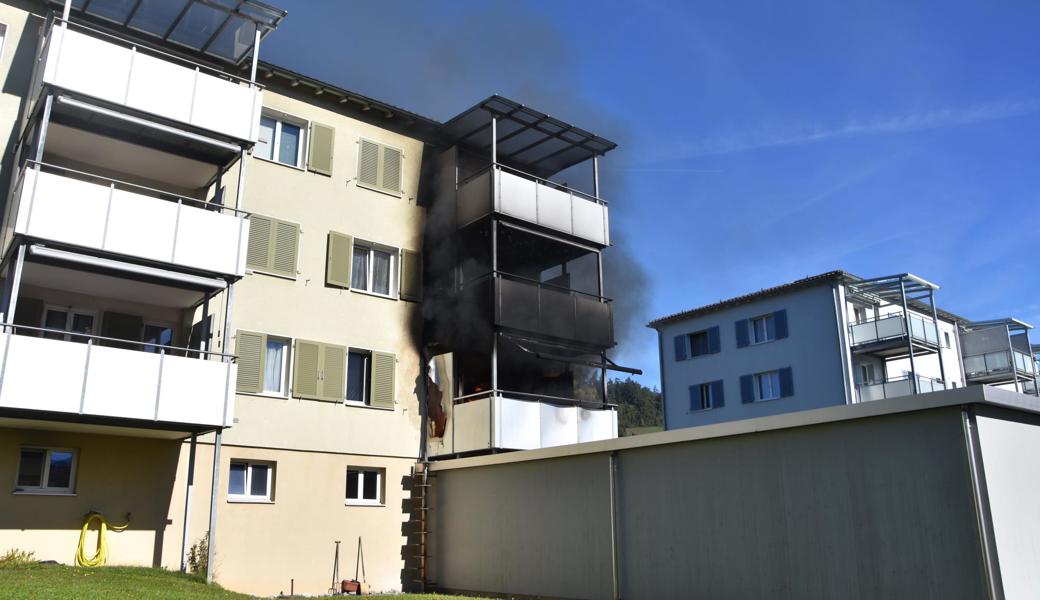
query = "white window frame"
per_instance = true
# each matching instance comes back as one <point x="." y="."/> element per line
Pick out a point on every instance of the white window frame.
<point x="378" y="472"/>
<point x="866" y="373"/>
<point x="366" y="379"/>
<point x="286" y="371"/>
<point x="305" y="128"/>
<point x="3" y="39"/>
<point x="43" y="488"/>
<point x="395" y="258"/>
<point x="759" y="388"/>
<point x="247" y="497"/>
<point x="704" y="390"/>
<point x="765" y="329"/>
<point x="70" y="312"/>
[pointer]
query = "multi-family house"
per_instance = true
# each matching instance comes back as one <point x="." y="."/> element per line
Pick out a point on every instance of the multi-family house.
<point x="826" y="340"/>
<point x="242" y="303"/>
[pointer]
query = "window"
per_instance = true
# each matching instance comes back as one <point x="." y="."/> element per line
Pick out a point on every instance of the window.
<point x="58" y="319"/>
<point x="767" y="386"/>
<point x="704" y="391"/>
<point x="379" y="167"/>
<point x="157" y="335"/>
<point x="276" y="365"/>
<point x="866" y="373"/>
<point x="365" y="486"/>
<point x="46" y="471"/>
<point x="946" y="337"/>
<point x="699" y="343"/>
<point x="860" y="314"/>
<point x="281" y="141"/>
<point x="373" y="270"/>
<point x="250" y="481"/>
<point x="358" y="369"/>
<point x="763" y="329"/>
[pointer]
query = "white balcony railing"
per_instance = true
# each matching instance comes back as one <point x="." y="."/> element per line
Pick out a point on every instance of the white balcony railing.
<point x="55" y="206"/>
<point x="514" y="423"/>
<point x="893" y="327"/>
<point x="534" y="200"/>
<point x="86" y="377"/>
<point x="103" y="66"/>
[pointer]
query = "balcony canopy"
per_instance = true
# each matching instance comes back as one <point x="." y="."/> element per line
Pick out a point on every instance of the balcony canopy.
<point x="527" y="139"/>
<point x="1013" y="325"/>
<point x="221" y="29"/>
<point x="892" y="288"/>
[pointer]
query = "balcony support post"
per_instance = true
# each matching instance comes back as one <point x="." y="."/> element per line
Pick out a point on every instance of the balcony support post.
<point x="595" y="176"/>
<point x="189" y="488"/>
<point x="494" y="140"/>
<point x="909" y="336"/>
<point x="65" y="12"/>
<point x="1011" y="356"/>
<point x="204" y="344"/>
<point x="938" y="339"/>
<point x="14" y="284"/>
<point x="256" y="56"/>
<point x="213" y="494"/>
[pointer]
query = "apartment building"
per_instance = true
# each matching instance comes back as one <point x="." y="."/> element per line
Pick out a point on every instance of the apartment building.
<point x="830" y="339"/>
<point x="243" y="302"/>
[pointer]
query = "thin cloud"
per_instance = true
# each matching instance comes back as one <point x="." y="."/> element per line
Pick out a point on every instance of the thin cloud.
<point x="901" y="124"/>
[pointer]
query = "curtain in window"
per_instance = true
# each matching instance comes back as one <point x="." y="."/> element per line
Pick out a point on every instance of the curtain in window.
<point x="273" y="361"/>
<point x="289" y="144"/>
<point x="265" y="143"/>
<point x="356" y="369"/>
<point x="359" y="268"/>
<point x="380" y="272"/>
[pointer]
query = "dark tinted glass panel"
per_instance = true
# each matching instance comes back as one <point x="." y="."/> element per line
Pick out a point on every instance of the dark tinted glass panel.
<point x="60" y="475"/>
<point x="237" y="480"/>
<point x="156" y="16"/>
<point x="352" y="484"/>
<point x="30" y="468"/>
<point x="371" y="486"/>
<point x="258" y="482"/>
<point x="357" y="375"/>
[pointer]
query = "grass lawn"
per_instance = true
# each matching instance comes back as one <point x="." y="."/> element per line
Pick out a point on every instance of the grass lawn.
<point x="39" y="582"/>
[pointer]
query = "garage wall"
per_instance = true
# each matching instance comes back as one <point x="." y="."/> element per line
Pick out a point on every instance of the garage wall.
<point x="866" y="508"/>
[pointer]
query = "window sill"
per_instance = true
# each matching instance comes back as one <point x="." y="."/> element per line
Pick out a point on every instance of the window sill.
<point x="276" y="162"/>
<point x="363" y="503"/>
<point x="378" y="190"/>
<point x="762" y="342"/>
<point x="264" y="395"/>
<point x="43" y="493"/>
<point x="240" y="500"/>
<point x="269" y="274"/>
<point x="374" y="294"/>
<point x="353" y="404"/>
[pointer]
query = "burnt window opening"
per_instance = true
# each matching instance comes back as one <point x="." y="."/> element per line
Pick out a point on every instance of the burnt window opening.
<point x="548" y="261"/>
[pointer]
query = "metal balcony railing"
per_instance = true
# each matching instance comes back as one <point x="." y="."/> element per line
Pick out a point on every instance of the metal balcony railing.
<point x="889" y="327"/>
<point x="896" y="387"/>
<point x="995" y="363"/>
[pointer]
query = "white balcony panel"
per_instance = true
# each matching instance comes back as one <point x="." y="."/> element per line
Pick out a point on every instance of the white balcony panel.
<point x="472" y="423"/>
<point x="119" y="74"/>
<point x="559" y="425"/>
<point x="595" y="425"/>
<point x="91" y="215"/>
<point x="516" y="195"/>
<point x="56" y="376"/>
<point x="517" y="424"/>
<point x="554" y="209"/>
<point x="590" y="221"/>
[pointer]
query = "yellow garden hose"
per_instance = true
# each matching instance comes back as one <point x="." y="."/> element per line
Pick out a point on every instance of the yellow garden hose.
<point x="101" y="555"/>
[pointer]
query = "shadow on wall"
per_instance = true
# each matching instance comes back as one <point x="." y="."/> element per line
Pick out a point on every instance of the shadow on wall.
<point x="411" y="504"/>
<point x="17" y="83"/>
<point x="114" y="475"/>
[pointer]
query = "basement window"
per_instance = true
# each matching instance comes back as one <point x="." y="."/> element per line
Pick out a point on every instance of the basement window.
<point x="365" y="487"/>
<point x="250" y="481"/>
<point x="46" y="471"/>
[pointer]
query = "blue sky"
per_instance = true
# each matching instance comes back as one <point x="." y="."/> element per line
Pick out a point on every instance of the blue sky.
<point x="760" y="141"/>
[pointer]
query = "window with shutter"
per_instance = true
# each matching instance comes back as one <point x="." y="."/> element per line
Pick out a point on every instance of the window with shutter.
<point x="333" y="373"/>
<point x="307" y="370"/>
<point x="379" y="167"/>
<point x="391" y="170"/>
<point x="383" y="365"/>
<point x="411" y="275"/>
<point x="368" y="164"/>
<point x="273" y="246"/>
<point x="249" y="348"/>
<point x="340" y="255"/>
<point x="319" y="155"/>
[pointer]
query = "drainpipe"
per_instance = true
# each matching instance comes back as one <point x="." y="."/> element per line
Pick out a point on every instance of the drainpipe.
<point x="615" y="562"/>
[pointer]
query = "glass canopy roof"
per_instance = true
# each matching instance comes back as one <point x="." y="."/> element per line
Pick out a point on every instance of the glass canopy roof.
<point x="222" y="29"/>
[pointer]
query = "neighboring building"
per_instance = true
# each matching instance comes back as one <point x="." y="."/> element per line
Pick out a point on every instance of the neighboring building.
<point x="210" y="260"/>
<point x="829" y="339"/>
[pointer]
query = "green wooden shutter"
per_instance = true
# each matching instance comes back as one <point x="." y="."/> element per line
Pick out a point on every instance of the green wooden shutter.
<point x="411" y="275"/>
<point x="258" y="253"/>
<point x="286" y="242"/>
<point x="368" y="163"/>
<point x="28" y="312"/>
<point x="319" y="156"/>
<point x="306" y="370"/>
<point x="390" y="170"/>
<point x="250" y="348"/>
<point x="121" y="326"/>
<point x="334" y="373"/>
<point x="340" y="257"/>
<point x="383" y="365"/>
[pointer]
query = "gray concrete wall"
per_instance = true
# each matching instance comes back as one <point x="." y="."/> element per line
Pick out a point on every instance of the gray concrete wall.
<point x="872" y="507"/>
<point x="812" y="350"/>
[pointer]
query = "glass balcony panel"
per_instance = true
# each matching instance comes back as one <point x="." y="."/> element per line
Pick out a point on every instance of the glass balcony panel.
<point x="974" y="365"/>
<point x="889" y="327"/>
<point x="998" y="361"/>
<point x="864" y="333"/>
<point x="895" y="389"/>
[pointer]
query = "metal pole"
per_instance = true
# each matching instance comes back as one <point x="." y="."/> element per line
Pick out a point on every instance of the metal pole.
<point x="615" y="562"/>
<point x="214" y="490"/>
<point x="65" y="12"/>
<point x="494" y="140"/>
<point x="204" y="330"/>
<point x="256" y="56"/>
<point x="595" y="175"/>
<point x="1011" y="356"/>
<point x="909" y="336"/>
<point x="16" y="283"/>
<point x="935" y="319"/>
<point x="44" y="123"/>
<point x="187" y="504"/>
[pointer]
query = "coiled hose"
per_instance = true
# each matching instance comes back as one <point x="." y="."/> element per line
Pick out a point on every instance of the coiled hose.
<point x="101" y="553"/>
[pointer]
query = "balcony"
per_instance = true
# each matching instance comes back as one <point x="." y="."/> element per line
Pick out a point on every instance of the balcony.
<point x="514" y="421"/>
<point x="523" y="196"/>
<point x="96" y="64"/>
<point x="999" y="366"/>
<point x="72" y="207"/>
<point x="886" y="335"/>
<point x="894" y="388"/>
<point x="87" y="376"/>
